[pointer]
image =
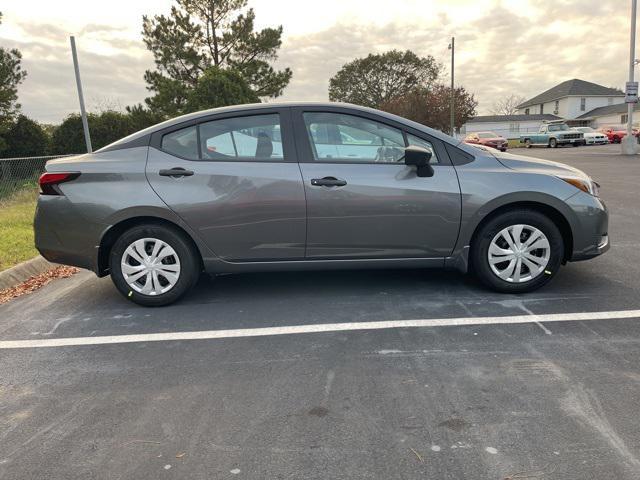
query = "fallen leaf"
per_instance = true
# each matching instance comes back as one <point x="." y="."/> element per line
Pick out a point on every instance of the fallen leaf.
<point x="37" y="281"/>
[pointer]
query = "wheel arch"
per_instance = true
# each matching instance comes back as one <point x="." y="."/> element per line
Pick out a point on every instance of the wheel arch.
<point x="110" y="236"/>
<point x="556" y="216"/>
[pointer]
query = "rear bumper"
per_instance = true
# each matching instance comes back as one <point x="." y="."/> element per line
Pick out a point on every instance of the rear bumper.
<point x="63" y="236"/>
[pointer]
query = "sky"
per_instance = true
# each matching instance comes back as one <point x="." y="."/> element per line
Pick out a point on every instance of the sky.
<point x="503" y="47"/>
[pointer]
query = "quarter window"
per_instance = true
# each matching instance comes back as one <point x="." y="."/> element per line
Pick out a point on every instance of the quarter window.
<point x="419" y="142"/>
<point x="252" y="138"/>
<point x="347" y="138"/>
<point x="182" y="143"/>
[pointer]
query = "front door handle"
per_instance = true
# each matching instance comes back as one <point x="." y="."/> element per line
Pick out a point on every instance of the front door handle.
<point x="175" y="172"/>
<point x="328" y="182"/>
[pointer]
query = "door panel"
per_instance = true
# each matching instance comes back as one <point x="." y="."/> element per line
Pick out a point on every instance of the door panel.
<point x="374" y="206"/>
<point x="244" y="194"/>
<point x="384" y="210"/>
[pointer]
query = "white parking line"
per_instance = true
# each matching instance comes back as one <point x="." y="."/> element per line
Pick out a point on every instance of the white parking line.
<point x="315" y="328"/>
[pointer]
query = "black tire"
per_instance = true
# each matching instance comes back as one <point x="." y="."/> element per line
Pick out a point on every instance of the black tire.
<point x="527" y="143"/>
<point x="616" y="140"/>
<point x="188" y="257"/>
<point x="553" y="143"/>
<point x="484" y="237"/>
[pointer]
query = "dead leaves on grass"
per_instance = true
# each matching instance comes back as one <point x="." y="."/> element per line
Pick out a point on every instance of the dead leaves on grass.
<point x="37" y="281"/>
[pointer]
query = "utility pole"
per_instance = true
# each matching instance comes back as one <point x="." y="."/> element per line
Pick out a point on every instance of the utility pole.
<point x="83" y="112"/>
<point x="629" y="143"/>
<point x="452" y="47"/>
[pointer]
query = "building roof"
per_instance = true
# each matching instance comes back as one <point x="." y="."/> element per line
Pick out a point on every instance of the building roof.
<point x="573" y="87"/>
<point x="513" y="118"/>
<point x="607" y="110"/>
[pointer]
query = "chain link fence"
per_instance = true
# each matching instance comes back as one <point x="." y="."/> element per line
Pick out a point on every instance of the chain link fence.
<point x="18" y="174"/>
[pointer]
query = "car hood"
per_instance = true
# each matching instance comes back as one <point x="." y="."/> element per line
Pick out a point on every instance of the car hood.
<point x="536" y="165"/>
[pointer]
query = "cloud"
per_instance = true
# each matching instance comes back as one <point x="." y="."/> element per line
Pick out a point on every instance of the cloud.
<point x="499" y="52"/>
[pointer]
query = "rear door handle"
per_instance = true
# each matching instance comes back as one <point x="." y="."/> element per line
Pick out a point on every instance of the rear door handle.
<point x="175" y="172"/>
<point x="328" y="182"/>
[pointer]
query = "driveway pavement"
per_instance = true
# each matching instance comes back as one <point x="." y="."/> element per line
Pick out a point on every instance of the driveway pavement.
<point x="480" y="386"/>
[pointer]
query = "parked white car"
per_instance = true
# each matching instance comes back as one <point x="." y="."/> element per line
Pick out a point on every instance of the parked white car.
<point x="593" y="137"/>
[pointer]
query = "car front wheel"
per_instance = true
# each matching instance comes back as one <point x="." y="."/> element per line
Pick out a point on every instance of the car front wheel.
<point x="517" y="251"/>
<point x="153" y="265"/>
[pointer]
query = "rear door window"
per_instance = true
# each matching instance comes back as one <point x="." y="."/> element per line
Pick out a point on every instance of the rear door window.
<point x="250" y="138"/>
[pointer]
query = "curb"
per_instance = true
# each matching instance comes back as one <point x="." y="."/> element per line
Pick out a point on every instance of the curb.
<point x="21" y="272"/>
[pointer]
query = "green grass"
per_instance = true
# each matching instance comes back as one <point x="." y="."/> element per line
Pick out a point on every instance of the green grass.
<point x="16" y="228"/>
<point x="515" y="143"/>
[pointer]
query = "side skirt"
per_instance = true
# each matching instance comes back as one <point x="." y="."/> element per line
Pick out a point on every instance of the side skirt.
<point x="216" y="265"/>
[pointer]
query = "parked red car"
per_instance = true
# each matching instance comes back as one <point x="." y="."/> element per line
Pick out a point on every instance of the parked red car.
<point x="488" y="139"/>
<point x="616" y="134"/>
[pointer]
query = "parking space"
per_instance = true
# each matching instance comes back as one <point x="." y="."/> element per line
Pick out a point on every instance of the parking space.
<point x="481" y="385"/>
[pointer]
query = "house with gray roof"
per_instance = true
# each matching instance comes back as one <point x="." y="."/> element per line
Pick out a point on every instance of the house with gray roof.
<point x="571" y="99"/>
<point x="577" y="101"/>
<point x="609" y="116"/>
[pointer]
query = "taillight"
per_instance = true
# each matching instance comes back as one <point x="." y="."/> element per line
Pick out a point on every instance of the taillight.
<point x="49" y="181"/>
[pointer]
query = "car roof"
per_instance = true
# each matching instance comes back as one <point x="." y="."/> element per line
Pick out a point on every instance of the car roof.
<point x="136" y="138"/>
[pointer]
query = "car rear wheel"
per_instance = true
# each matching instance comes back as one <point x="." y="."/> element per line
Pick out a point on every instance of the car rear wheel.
<point x="153" y="265"/>
<point x="553" y="143"/>
<point x="527" y="143"/>
<point x="517" y="251"/>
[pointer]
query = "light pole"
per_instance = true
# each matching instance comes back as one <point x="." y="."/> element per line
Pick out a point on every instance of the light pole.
<point x="452" y="47"/>
<point x="629" y="143"/>
<point x="83" y="112"/>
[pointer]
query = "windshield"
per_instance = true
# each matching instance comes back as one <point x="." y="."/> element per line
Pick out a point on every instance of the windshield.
<point x="585" y="129"/>
<point x="558" y="127"/>
<point x="488" y="135"/>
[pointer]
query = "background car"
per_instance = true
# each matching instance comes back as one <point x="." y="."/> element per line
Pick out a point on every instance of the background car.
<point x="592" y="136"/>
<point x="301" y="186"/>
<point x="488" y="139"/>
<point x="616" y="134"/>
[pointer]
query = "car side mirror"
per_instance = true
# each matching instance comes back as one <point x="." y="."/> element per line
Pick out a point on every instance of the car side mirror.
<point x="418" y="156"/>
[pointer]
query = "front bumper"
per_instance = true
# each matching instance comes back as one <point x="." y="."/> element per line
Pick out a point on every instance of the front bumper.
<point x="571" y="141"/>
<point x="591" y="229"/>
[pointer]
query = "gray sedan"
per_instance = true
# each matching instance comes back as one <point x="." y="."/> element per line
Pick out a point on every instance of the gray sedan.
<point x="310" y="186"/>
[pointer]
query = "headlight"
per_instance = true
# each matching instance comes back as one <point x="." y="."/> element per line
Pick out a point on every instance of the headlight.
<point x="588" y="185"/>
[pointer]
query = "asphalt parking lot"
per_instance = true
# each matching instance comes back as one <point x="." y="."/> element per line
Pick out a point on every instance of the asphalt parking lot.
<point x="467" y="394"/>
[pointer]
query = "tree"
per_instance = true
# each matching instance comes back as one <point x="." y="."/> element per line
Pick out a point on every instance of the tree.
<point x="105" y="128"/>
<point x="431" y="107"/>
<point x="11" y="75"/>
<point x="376" y="79"/>
<point x="26" y="138"/>
<point x="217" y="88"/>
<point x="507" y="105"/>
<point x="198" y="34"/>
<point x="141" y="118"/>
